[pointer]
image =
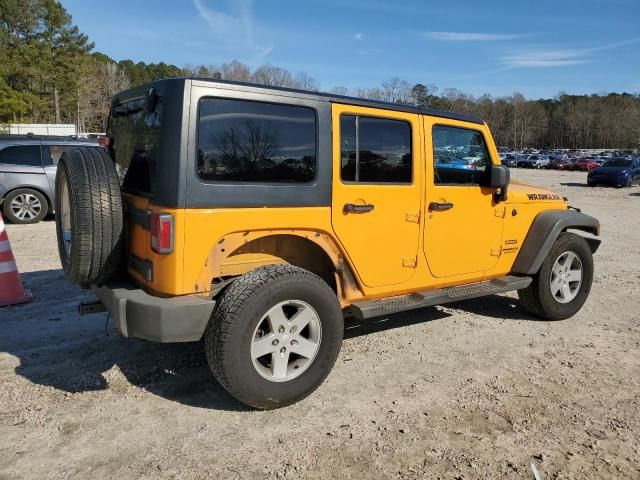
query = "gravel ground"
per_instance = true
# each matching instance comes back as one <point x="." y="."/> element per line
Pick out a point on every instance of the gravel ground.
<point x="478" y="389"/>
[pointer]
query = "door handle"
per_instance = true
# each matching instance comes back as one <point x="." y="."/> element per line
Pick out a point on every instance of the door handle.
<point x="440" y="207"/>
<point x="353" y="208"/>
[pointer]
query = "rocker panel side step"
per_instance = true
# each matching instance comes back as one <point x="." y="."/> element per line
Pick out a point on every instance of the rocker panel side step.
<point x="385" y="306"/>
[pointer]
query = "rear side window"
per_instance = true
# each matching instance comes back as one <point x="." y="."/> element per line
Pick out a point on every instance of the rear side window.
<point x="136" y="144"/>
<point x="26" y="155"/>
<point x="460" y="156"/>
<point x="246" y="141"/>
<point x="375" y="150"/>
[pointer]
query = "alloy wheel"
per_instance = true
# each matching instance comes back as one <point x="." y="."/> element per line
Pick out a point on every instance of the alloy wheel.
<point x="286" y="341"/>
<point x="566" y="277"/>
<point x="26" y="206"/>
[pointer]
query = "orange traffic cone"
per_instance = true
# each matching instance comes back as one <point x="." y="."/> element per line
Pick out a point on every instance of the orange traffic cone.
<point x="11" y="289"/>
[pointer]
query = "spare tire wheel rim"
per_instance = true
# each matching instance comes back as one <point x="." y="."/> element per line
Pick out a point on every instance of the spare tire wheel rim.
<point x="65" y="215"/>
<point x="26" y="206"/>
<point x="286" y="341"/>
<point x="566" y="277"/>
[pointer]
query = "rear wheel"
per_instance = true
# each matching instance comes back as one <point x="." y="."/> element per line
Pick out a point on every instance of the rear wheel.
<point x="25" y="205"/>
<point x="274" y="336"/>
<point x="562" y="285"/>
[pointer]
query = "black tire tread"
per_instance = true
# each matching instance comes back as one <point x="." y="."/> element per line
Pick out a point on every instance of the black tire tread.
<point x="97" y="216"/>
<point x="226" y="315"/>
<point x="531" y="297"/>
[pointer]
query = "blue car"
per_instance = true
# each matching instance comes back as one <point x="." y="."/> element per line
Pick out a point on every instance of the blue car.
<point x="620" y="171"/>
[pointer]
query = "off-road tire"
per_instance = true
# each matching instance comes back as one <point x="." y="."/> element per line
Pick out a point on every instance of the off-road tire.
<point x="241" y="307"/>
<point x="96" y="215"/>
<point x="10" y="216"/>
<point x="537" y="298"/>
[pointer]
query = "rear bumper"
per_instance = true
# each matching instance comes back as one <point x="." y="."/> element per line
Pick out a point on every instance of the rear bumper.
<point x="166" y="320"/>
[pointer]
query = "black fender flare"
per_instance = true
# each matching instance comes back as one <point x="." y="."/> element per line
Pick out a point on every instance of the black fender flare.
<point x="543" y="233"/>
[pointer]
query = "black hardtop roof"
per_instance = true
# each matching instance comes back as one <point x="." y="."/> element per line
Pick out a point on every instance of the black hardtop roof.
<point x="330" y="97"/>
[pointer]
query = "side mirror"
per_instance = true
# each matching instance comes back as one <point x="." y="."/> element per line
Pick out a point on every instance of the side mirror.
<point x="499" y="177"/>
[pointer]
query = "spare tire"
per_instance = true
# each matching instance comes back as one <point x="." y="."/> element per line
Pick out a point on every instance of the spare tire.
<point x="89" y="216"/>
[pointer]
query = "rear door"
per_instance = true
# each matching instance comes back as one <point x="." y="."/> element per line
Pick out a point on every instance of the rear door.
<point x="21" y="166"/>
<point x="377" y="171"/>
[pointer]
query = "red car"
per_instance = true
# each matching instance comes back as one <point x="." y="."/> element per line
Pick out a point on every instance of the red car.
<point x="585" y="164"/>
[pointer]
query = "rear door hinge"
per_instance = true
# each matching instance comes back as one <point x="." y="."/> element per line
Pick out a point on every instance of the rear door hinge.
<point x="500" y="212"/>
<point x="495" y="252"/>
<point x="409" y="262"/>
<point x="413" y="217"/>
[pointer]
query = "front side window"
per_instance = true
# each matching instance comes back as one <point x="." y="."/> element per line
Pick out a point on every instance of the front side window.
<point x="460" y="156"/>
<point x="246" y="141"/>
<point x="375" y="150"/>
<point x="25" y="155"/>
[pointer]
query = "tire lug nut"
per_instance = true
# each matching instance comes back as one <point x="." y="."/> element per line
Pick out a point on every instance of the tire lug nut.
<point x="275" y="342"/>
<point x="280" y="329"/>
<point x="294" y="342"/>
<point x="293" y="329"/>
<point x="283" y="350"/>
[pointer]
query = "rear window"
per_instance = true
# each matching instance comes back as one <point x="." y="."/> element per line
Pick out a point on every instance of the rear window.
<point x="25" y="155"/>
<point x="135" y="134"/>
<point x="247" y="141"/>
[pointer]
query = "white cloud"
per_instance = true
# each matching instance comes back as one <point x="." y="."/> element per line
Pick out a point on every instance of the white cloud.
<point x="358" y="36"/>
<point x="235" y="28"/>
<point x="472" y="37"/>
<point x="542" y="58"/>
<point x="545" y="58"/>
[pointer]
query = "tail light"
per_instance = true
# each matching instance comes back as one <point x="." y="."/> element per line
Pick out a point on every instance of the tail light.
<point x="162" y="233"/>
<point x="104" y="141"/>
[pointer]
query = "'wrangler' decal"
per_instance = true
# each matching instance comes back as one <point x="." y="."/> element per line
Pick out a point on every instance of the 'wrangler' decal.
<point x="543" y="196"/>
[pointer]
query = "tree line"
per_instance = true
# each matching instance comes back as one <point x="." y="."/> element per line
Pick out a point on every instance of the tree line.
<point x="50" y="73"/>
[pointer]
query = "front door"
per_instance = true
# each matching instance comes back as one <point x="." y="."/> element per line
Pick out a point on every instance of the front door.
<point x="463" y="225"/>
<point x="377" y="168"/>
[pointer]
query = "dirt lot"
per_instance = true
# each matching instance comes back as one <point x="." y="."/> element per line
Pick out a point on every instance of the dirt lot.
<point x="475" y="390"/>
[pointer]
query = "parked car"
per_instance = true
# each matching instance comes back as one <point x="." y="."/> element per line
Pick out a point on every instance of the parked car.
<point x="560" y="164"/>
<point x="509" y="160"/>
<point x="522" y="161"/>
<point x="534" y="161"/>
<point x="584" y="164"/>
<point x="27" y="174"/>
<point x="360" y="223"/>
<point x="539" y="161"/>
<point x="619" y="171"/>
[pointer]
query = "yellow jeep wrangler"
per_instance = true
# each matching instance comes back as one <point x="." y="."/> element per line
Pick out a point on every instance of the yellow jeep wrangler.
<point x="256" y="218"/>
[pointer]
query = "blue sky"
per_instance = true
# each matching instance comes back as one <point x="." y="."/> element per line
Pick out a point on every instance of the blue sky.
<point x="538" y="48"/>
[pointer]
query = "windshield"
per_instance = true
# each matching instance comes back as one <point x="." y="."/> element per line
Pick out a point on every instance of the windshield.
<point x="617" y="162"/>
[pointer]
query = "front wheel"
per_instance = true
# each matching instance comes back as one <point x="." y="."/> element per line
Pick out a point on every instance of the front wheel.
<point x="562" y="285"/>
<point x="274" y="336"/>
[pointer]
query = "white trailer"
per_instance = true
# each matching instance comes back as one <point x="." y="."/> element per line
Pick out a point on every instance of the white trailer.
<point x="42" y="129"/>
